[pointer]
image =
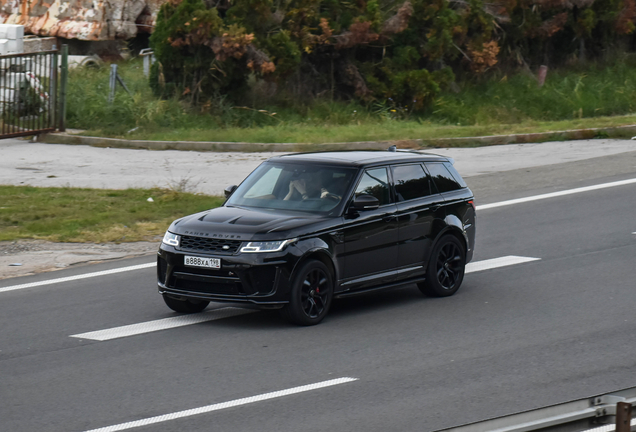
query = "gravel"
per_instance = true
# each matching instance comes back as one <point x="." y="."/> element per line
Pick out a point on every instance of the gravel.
<point x="27" y="257"/>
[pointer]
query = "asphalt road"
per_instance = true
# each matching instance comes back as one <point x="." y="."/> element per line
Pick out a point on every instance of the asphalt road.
<point x="513" y="338"/>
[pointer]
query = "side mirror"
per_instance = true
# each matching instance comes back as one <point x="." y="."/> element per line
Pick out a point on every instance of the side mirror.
<point x="365" y="202"/>
<point x="229" y="190"/>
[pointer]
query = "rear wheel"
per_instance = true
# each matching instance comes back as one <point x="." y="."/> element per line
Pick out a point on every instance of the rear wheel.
<point x="185" y="305"/>
<point x="445" y="271"/>
<point x="311" y="294"/>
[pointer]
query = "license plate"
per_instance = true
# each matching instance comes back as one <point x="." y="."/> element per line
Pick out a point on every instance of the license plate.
<point x="193" y="261"/>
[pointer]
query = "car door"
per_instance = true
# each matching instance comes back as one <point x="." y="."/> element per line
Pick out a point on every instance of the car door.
<point x="418" y="208"/>
<point x="370" y="236"/>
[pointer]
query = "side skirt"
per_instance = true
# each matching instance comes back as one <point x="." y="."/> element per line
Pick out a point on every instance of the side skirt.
<point x="380" y="287"/>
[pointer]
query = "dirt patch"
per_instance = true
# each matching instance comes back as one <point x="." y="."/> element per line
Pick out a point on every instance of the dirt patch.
<point x="26" y="257"/>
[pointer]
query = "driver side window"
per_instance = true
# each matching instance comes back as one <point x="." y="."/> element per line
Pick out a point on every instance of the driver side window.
<point x="375" y="182"/>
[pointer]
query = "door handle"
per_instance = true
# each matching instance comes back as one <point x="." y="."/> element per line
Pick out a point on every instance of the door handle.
<point x="389" y="218"/>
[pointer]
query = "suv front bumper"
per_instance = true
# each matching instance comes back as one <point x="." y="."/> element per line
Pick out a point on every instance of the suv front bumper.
<point x="258" y="278"/>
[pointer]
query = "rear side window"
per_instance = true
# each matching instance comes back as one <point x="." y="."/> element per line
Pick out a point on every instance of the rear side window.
<point x="375" y="182"/>
<point x="449" y="166"/>
<point x="411" y="182"/>
<point x="443" y="178"/>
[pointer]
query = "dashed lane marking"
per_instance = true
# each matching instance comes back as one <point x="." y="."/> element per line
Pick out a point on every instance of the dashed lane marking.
<point x="223" y="405"/>
<point x="497" y="262"/>
<point x="77" y="277"/>
<point x="162" y="324"/>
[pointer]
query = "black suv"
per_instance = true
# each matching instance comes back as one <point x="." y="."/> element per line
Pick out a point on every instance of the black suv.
<point x="303" y="229"/>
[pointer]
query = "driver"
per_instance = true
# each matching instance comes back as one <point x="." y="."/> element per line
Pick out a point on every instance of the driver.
<point x="311" y="188"/>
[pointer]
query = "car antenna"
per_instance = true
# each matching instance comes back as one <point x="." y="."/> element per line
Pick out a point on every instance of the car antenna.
<point x="393" y="148"/>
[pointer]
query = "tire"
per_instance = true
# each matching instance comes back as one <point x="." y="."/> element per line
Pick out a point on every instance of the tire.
<point x="311" y="294"/>
<point x="446" y="267"/>
<point x="185" y="306"/>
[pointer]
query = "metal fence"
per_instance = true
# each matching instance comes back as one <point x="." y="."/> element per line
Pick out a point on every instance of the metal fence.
<point x="28" y="94"/>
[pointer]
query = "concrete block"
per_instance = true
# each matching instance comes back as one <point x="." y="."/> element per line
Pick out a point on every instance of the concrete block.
<point x="37" y="44"/>
<point x="4" y="46"/>
<point x="11" y="31"/>
<point x="15" y="46"/>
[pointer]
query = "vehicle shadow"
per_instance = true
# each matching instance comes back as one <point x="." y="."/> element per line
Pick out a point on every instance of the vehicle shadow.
<point x="341" y="309"/>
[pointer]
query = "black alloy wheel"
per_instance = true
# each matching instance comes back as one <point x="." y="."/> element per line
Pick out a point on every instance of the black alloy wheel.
<point x="445" y="271"/>
<point x="311" y="294"/>
<point x="186" y="305"/>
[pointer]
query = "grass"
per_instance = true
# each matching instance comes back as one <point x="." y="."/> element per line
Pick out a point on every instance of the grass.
<point x="402" y="130"/>
<point x="93" y="215"/>
<point x="601" y="95"/>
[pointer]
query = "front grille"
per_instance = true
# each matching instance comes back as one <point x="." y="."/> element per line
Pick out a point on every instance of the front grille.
<point x="213" y="245"/>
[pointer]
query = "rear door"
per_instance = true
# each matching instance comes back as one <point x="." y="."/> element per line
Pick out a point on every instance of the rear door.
<point x="419" y="208"/>
<point x="371" y="236"/>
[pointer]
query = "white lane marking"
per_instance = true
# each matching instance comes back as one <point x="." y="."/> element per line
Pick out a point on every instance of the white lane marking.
<point x="497" y="262"/>
<point x="224" y="405"/>
<point x="556" y="194"/>
<point x="162" y="324"/>
<point x="77" y="277"/>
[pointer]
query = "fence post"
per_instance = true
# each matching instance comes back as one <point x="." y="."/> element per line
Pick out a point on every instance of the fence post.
<point x="113" y="83"/>
<point x="148" y="55"/>
<point x="623" y="417"/>
<point x="53" y="84"/>
<point x="63" y="85"/>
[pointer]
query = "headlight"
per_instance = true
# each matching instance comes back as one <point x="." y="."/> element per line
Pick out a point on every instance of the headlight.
<point x="171" y="239"/>
<point x="267" y="246"/>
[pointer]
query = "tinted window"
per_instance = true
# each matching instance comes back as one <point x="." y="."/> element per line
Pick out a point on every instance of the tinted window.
<point x="375" y="182"/>
<point x="411" y="182"/>
<point x="442" y="178"/>
<point x="449" y="166"/>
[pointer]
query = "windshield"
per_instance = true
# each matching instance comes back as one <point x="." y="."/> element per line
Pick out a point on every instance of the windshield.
<point x="299" y="187"/>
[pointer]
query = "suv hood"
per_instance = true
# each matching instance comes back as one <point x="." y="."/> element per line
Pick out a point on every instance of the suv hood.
<point x="244" y="224"/>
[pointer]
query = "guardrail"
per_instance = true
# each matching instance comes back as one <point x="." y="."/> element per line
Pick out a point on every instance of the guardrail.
<point x="603" y="413"/>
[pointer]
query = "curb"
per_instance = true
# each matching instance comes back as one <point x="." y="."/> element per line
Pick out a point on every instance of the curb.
<point x="577" y="134"/>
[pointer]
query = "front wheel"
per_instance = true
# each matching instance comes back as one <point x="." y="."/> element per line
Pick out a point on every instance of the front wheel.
<point x="311" y="294"/>
<point x="446" y="267"/>
<point x="185" y="305"/>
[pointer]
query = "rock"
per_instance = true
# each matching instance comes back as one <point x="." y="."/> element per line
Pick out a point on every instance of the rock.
<point x="98" y="20"/>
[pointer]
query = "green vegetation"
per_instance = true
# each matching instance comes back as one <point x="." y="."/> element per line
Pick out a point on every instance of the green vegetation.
<point x="600" y="95"/>
<point x="406" y="52"/>
<point x="91" y="215"/>
<point x="569" y="93"/>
